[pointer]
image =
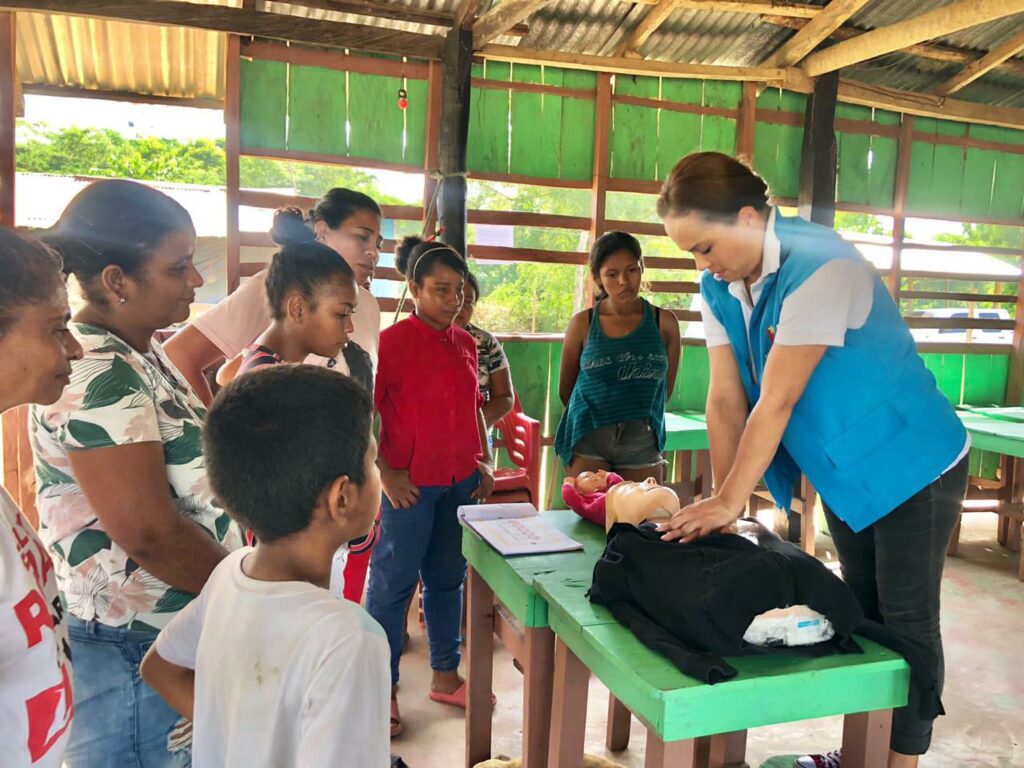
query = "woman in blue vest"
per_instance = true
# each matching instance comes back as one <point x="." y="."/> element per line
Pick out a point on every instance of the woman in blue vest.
<point x="619" y="363"/>
<point x="813" y="370"/>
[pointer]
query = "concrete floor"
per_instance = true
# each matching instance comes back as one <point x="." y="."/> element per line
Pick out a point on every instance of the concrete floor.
<point x="983" y="627"/>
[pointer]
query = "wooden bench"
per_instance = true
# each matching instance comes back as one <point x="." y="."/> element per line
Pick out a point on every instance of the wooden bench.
<point x="692" y="724"/>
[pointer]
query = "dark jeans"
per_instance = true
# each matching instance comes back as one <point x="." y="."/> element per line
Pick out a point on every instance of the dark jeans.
<point x="894" y="567"/>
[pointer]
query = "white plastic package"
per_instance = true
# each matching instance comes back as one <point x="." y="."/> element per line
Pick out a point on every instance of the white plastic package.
<point x="796" y="625"/>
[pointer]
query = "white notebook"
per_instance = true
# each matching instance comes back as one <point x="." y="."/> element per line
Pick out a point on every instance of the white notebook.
<point x="516" y="529"/>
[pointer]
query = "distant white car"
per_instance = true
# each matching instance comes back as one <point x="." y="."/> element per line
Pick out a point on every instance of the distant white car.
<point x="960" y="335"/>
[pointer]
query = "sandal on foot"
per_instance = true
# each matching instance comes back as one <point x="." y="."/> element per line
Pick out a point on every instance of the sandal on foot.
<point x="396" y="718"/>
<point x="456" y="698"/>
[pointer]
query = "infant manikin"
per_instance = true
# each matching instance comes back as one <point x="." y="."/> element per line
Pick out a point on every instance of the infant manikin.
<point x="637" y="503"/>
<point x="585" y="493"/>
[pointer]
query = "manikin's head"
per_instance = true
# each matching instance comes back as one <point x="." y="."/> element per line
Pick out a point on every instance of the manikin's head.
<point x="589" y="482"/>
<point x="636" y="503"/>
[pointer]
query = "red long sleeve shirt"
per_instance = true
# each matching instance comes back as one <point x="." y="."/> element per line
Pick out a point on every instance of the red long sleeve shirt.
<point x="427" y="394"/>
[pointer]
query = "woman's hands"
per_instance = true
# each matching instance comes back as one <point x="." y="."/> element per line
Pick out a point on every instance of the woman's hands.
<point x="398" y="487"/>
<point x="696" y="521"/>
<point x="486" y="481"/>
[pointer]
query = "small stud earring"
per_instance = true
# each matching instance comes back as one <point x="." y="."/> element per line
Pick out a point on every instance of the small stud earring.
<point x="122" y="300"/>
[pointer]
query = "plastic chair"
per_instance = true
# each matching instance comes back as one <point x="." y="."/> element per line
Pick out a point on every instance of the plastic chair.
<point x="522" y="443"/>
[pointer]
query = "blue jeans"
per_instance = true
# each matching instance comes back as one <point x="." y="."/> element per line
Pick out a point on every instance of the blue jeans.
<point x="425" y="542"/>
<point x="120" y="722"/>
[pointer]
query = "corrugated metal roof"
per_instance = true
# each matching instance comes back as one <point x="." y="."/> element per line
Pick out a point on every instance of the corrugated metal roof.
<point x="185" y="63"/>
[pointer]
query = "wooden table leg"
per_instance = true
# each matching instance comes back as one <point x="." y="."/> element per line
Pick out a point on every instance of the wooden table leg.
<point x="866" y="739"/>
<point x="728" y="750"/>
<point x="568" y="709"/>
<point x="703" y="475"/>
<point x="479" y="667"/>
<point x="673" y="754"/>
<point x="538" y="668"/>
<point x="619" y="720"/>
<point x="807" y="517"/>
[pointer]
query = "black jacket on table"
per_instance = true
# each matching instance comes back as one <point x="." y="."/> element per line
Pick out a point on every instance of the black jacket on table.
<point x="694" y="602"/>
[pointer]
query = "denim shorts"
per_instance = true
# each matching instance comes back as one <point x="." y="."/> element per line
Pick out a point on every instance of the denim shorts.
<point x="626" y="445"/>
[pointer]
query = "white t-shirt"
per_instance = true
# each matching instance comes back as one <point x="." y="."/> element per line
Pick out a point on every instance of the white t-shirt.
<point x="35" y="666"/>
<point x="286" y="674"/>
<point x="238" y="320"/>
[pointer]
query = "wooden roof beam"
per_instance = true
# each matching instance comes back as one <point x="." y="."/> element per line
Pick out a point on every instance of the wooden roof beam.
<point x="277" y="26"/>
<point x="927" y="26"/>
<point x="976" y="69"/>
<point x="755" y="7"/>
<point x="648" y="24"/>
<point x="503" y="17"/>
<point x="814" y="32"/>
<point x="931" y="51"/>
<point x="380" y="10"/>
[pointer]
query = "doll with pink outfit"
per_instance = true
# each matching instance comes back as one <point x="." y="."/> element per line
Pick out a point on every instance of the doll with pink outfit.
<point x="586" y="493"/>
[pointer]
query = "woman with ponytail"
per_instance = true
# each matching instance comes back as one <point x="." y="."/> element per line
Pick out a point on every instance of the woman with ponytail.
<point x="125" y="506"/>
<point x="433" y="459"/>
<point x="345" y="221"/>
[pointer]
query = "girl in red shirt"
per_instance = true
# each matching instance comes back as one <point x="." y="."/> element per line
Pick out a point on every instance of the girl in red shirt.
<point x="433" y="459"/>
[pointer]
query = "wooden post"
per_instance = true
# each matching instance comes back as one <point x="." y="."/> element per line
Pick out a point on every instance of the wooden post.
<point x="866" y="739"/>
<point x="568" y="709"/>
<point x="455" y="95"/>
<point x="899" y="202"/>
<point x="8" y="109"/>
<point x="817" y="197"/>
<point x="746" y="124"/>
<point x="479" y="667"/>
<point x="599" y="187"/>
<point x="430" y="162"/>
<point x="232" y="147"/>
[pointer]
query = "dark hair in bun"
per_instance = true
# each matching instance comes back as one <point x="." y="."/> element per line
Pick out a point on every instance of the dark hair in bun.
<point x="714" y="185"/>
<point x="302" y="264"/>
<point x="416" y="257"/>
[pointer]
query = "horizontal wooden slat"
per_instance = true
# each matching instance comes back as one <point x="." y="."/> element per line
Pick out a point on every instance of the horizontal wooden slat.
<point x="388" y="304"/>
<point x="667" y="262"/>
<point x="525" y="219"/>
<point x="263" y="240"/>
<point x="672" y="286"/>
<point x="334" y="60"/>
<point x="634" y="185"/>
<point x="256" y="198"/>
<point x="635" y="227"/>
<point x="518" y="87"/>
<point x="291" y="155"/>
<point x="250" y="268"/>
<point x="966" y="297"/>
<point x="499" y="253"/>
<point x="537" y="181"/>
<point x="387" y="273"/>
<point x="969" y="141"/>
<point x="673" y="106"/>
<point x="959" y="323"/>
<point x="957" y="276"/>
<point x="989" y="249"/>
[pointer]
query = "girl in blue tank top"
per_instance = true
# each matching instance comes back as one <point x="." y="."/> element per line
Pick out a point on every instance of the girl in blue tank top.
<point x="618" y="369"/>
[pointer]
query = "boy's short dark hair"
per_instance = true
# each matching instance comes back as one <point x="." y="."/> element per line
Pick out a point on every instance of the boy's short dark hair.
<point x="276" y="437"/>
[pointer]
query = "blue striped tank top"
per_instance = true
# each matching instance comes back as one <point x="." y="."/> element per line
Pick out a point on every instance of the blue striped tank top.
<point x="619" y="380"/>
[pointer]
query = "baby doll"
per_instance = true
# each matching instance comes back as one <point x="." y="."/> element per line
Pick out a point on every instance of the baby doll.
<point x="585" y="494"/>
<point x="639" y="502"/>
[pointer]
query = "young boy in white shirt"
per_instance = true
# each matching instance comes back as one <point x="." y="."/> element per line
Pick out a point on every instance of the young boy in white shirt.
<point x="271" y="665"/>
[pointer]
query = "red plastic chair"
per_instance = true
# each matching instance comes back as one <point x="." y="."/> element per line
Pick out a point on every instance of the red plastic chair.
<point x="522" y="443"/>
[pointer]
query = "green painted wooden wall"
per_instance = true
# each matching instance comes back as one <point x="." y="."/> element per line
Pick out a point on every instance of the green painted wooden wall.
<point x="329" y="112"/>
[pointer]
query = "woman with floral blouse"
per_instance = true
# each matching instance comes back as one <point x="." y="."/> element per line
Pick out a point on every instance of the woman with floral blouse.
<point x="124" y="503"/>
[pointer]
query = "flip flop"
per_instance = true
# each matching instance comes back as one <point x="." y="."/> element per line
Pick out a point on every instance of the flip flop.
<point x="396" y="718"/>
<point x="456" y="698"/>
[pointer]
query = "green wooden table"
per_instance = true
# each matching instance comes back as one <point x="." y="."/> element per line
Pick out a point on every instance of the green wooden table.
<point x="998" y="430"/>
<point x="686" y="431"/>
<point x="502" y="600"/>
<point x="678" y="710"/>
<point x="1004" y="413"/>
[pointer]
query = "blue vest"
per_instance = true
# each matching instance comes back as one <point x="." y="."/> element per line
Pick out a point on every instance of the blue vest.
<point x="871" y="429"/>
